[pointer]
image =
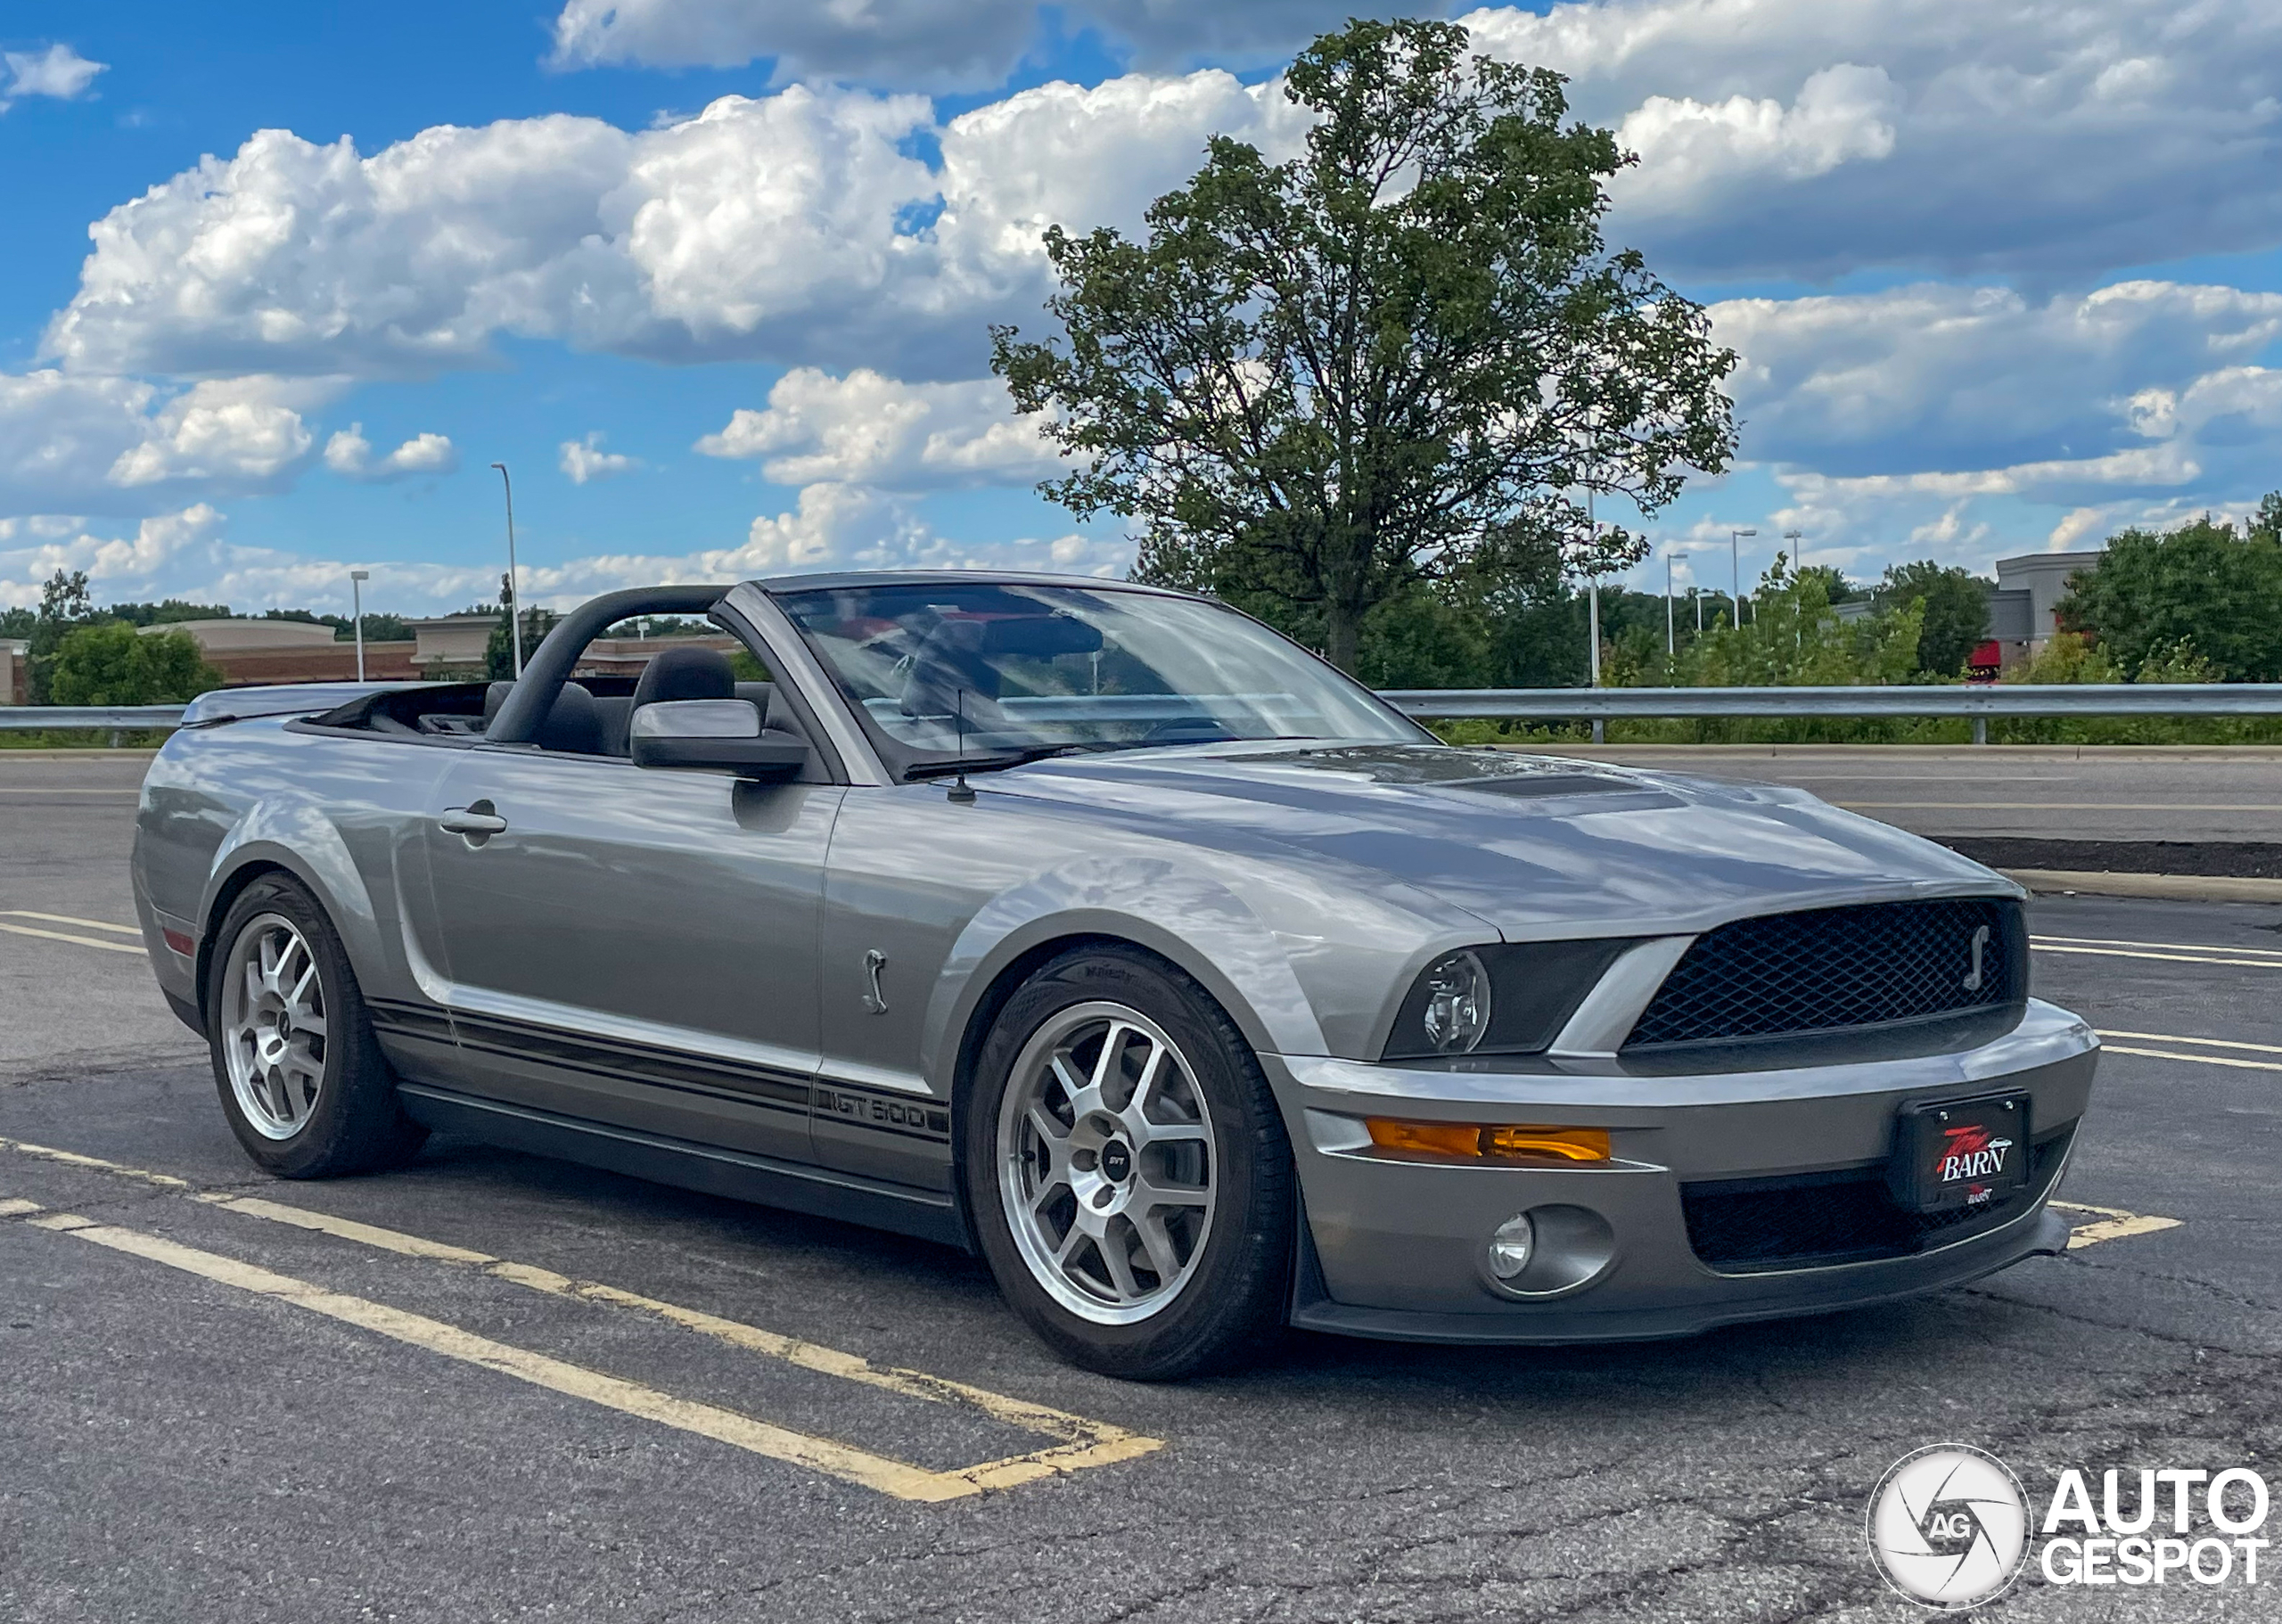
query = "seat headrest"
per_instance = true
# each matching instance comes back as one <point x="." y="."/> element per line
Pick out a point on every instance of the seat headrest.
<point x="572" y="724"/>
<point x="685" y="674"/>
<point x="494" y="696"/>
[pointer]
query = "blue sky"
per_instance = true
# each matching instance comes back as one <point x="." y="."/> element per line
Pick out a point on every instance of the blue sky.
<point x="712" y="275"/>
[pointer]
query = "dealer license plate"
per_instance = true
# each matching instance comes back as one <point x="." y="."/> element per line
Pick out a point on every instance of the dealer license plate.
<point x="1960" y="1153"/>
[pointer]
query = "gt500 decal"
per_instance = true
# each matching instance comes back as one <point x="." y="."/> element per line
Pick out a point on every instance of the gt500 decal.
<point x="882" y="1111"/>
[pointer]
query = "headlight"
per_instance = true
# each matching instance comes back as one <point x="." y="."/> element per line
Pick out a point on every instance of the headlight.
<point x="1500" y="999"/>
<point x="1457" y="1004"/>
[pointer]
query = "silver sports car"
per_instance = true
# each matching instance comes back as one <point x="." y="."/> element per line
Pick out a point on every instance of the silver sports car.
<point x="1101" y="931"/>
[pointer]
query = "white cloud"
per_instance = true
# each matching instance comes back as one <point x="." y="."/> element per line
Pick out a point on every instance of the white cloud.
<point x="585" y="459"/>
<point x="79" y="444"/>
<point x="187" y="554"/>
<point x="1936" y="377"/>
<point x="798" y="227"/>
<point x="1808" y="137"/>
<point x="350" y="454"/>
<point x="59" y="72"/>
<point x="875" y="431"/>
<point x="935" y="44"/>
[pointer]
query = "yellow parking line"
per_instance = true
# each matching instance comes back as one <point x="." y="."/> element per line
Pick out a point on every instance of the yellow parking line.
<point x="2205" y="1060"/>
<point x="2177" y="958"/>
<point x="83" y="941"/>
<point x="94" y="1164"/>
<point x="1080" y="1442"/>
<point x="904" y="1482"/>
<point x="68" y="919"/>
<point x="2109" y="941"/>
<point x="2206" y="1042"/>
<point x="2114" y="1223"/>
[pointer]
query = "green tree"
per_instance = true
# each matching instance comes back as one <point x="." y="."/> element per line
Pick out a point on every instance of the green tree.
<point x="1953" y="607"/>
<point x="167" y="612"/>
<point x="65" y="603"/>
<point x="499" y="652"/>
<point x="2205" y="586"/>
<point x="1403" y="356"/>
<point x="111" y="663"/>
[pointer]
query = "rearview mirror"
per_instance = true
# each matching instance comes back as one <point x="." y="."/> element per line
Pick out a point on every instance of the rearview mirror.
<point x="721" y="736"/>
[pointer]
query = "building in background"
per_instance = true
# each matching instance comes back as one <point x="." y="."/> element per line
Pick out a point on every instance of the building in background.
<point x="253" y="651"/>
<point x="15" y="676"/>
<point x="2028" y="589"/>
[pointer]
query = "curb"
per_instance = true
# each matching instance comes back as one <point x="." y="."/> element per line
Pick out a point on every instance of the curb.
<point x="2166" y="888"/>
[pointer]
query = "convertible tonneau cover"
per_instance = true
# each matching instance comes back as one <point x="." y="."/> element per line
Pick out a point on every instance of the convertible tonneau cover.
<point x="284" y="699"/>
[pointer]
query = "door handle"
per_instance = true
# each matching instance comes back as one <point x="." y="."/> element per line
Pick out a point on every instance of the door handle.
<point x="475" y="824"/>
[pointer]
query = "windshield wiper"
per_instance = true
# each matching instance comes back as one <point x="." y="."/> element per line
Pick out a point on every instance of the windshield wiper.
<point x="998" y="760"/>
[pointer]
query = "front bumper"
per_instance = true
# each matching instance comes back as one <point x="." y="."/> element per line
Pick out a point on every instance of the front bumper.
<point x="1398" y="1248"/>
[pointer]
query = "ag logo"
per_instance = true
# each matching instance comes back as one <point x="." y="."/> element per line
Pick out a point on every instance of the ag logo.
<point x="1949" y="1527"/>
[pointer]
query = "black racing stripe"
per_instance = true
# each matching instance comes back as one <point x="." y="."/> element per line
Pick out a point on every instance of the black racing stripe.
<point x="397" y="1020"/>
<point x="612" y="1057"/>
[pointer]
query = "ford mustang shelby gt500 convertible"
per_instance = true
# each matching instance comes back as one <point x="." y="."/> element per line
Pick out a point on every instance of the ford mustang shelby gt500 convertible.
<point x="1099" y="930"/>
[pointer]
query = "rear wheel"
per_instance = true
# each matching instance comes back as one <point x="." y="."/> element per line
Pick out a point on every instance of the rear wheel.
<point x="1128" y="1170"/>
<point x="302" y="1079"/>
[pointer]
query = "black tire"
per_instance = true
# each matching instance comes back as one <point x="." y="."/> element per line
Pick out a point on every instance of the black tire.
<point x="355" y="1122"/>
<point x="1230" y="1300"/>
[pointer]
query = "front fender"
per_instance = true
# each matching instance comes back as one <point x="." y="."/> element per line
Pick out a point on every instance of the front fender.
<point x="1189" y="918"/>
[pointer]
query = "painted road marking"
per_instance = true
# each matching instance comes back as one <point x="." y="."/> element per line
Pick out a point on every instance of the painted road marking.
<point x="2046" y="806"/>
<point x="71" y="919"/>
<point x="1080" y="1442"/>
<point x="2207" y="1059"/>
<point x="2106" y="941"/>
<point x="2176" y="958"/>
<point x="2204" y="1043"/>
<point x="2110" y="1223"/>
<point x="83" y="941"/>
<point x="890" y="1477"/>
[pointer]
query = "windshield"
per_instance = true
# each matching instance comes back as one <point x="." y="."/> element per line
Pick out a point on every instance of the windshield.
<point x="1026" y="671"/>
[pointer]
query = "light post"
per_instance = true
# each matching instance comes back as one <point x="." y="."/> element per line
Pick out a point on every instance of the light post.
<point x="1736" y="572"/>
<point x="1671" y="642"/>
<point x="514" y="593"/>
<point x="1798" y="552"/>
<point x="357" y="579"/>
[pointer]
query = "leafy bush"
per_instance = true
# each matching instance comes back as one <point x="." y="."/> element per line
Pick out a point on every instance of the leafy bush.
<point x="113" y="664"/>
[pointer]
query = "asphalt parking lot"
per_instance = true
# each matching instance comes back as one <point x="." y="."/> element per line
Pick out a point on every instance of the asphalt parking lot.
<point x="492" y="1387"/>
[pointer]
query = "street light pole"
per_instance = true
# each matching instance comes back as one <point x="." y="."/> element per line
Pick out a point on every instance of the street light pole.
<point x="1798" y="552"/>
<point x="1672" y="640"/>
<point x="357" y="579"/>
<point x="1593" y="593"/>
<point x="1735" y="571"/>
<point x="514" y="591"/>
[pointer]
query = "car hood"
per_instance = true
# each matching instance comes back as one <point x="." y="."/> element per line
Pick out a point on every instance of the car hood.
<point x="1536" y="846"/>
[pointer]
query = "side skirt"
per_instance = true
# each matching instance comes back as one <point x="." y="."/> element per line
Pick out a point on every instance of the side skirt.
<point x="742" y="1177"/>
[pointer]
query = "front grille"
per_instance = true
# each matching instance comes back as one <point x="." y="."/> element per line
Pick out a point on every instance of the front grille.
<point x="1829" y="969"/>
<point x="1746" y="1225"/>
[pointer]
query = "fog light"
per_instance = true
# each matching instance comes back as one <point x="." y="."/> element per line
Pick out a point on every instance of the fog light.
<point x="1510" y="1246"/>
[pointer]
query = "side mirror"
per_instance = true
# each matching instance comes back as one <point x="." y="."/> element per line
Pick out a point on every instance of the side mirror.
<point x="721" y="736"/>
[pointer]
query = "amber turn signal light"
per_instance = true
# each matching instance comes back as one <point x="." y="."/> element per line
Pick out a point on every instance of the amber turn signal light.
<point x="1489" y="1144"/>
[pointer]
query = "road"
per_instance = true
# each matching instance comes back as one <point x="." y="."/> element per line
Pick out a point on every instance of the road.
<point x="2121" y="794"/>
<point x="393" y="1399"/>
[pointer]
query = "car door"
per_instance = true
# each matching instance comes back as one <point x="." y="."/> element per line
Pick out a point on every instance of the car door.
<point x="633" y="945"/>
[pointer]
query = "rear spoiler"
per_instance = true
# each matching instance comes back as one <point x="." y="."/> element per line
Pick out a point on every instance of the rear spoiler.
<point x="226" y="705"/>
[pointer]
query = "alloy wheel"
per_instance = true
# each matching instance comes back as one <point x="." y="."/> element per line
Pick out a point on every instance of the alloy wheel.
<point x="1106" y="1163"/>
<point x="273" y="1027"/>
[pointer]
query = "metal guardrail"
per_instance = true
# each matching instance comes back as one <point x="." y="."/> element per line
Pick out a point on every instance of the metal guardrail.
<point x="1598" y="704"/>
<point x="1995" y="698"/>
<point x="61" y="718"/>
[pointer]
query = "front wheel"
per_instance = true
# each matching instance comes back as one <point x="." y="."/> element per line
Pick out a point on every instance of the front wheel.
<point x="303" y="1082"/>
<point x="1128" y="1170"/>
